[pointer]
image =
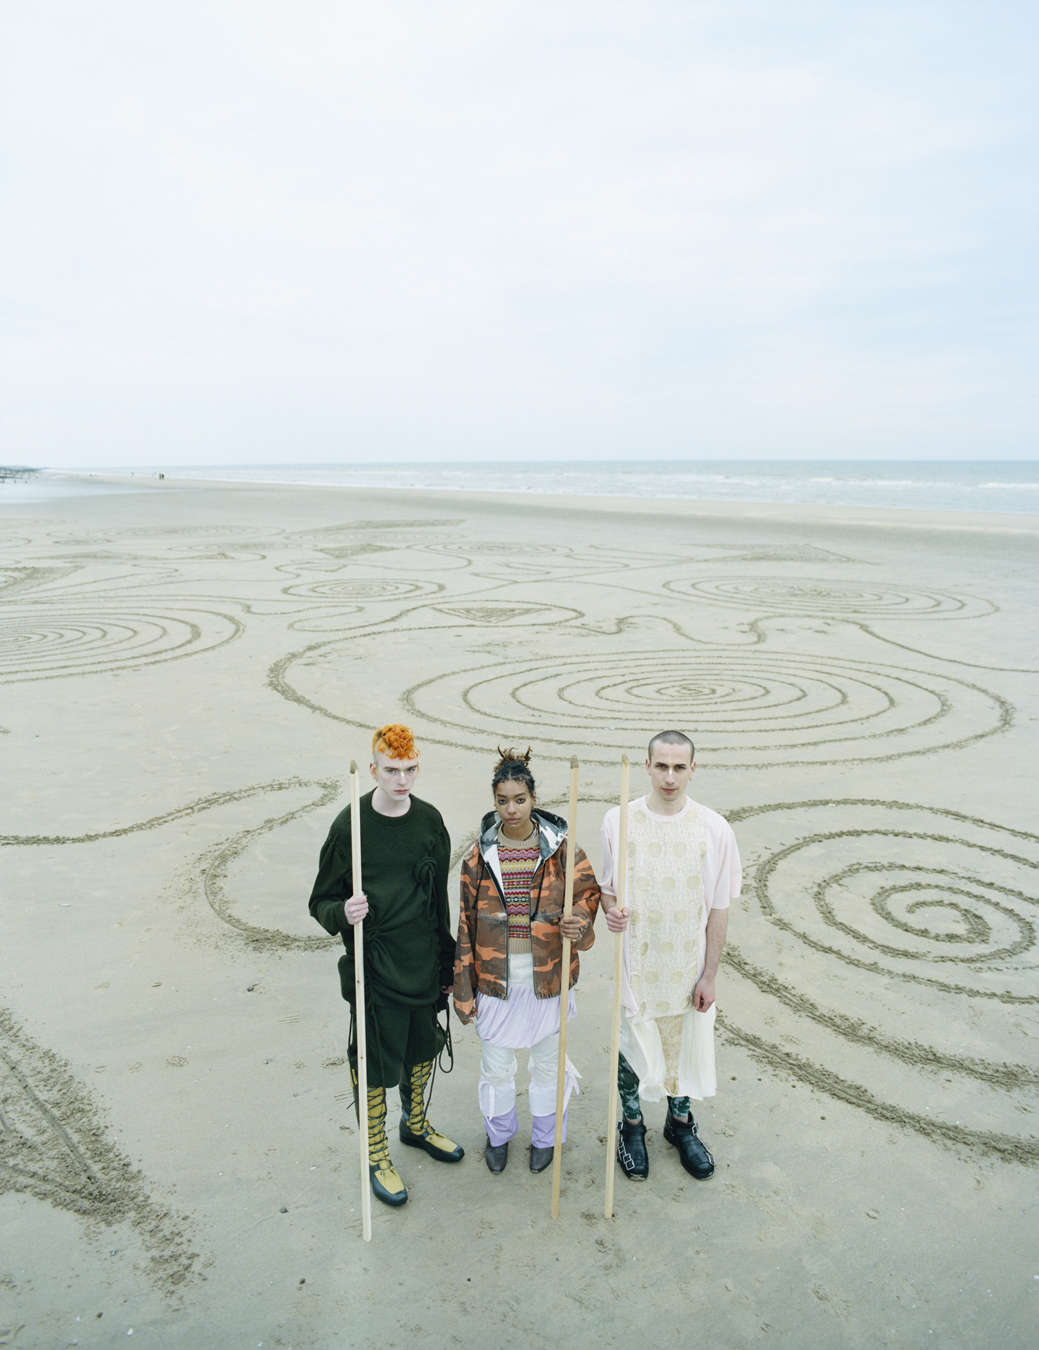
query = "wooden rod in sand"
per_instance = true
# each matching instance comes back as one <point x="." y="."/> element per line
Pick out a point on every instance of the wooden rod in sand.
<point x="362" y="1061"/>
<point x="620" y="869"/>
<point x="564" y="986"/>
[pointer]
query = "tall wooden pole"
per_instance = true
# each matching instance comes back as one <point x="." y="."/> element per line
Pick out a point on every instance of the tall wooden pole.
<point x="362" y="1061"/>
<point x="564" y="986"/>
<point x="620" y="872"/>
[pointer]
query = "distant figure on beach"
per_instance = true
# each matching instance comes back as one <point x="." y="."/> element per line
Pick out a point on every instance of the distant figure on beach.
<point x="683" y="869"/>
<point x="508" y="971"/>
<point x="408" y="947"/>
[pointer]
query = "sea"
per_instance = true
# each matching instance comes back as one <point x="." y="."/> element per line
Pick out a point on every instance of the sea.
<point x="924" y="485"/>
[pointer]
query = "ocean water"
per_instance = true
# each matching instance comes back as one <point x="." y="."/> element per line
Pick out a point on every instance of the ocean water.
<point x="943" y="485"/>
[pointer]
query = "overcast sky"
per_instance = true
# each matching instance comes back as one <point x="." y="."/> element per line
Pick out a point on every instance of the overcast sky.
<point x="240" y="233"/>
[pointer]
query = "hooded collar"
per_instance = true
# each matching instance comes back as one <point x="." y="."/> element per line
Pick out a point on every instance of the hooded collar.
<point x="551" y="833"/>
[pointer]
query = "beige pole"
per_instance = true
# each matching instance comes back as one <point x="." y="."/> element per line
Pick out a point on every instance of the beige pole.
<point x="362" y="1062"/>
<point x="564" y="986"/>
<point x="620" y="866"/>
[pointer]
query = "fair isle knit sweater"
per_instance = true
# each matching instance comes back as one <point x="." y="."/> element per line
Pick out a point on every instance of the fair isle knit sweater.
<point x="518" y="863"/>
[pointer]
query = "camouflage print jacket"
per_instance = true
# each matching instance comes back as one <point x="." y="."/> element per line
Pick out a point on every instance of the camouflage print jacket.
<point x="481" y="956"/>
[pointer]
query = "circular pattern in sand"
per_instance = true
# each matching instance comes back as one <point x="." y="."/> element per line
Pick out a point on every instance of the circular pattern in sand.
<point x="49" y="642"/>
<point x="853" y="600"/>
<point x="747" y="708"/>
<point x="363" y="590"/>
<point x="897" y="945"/>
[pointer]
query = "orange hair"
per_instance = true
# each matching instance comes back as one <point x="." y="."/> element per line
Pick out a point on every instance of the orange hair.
<point x="395" y="741"/>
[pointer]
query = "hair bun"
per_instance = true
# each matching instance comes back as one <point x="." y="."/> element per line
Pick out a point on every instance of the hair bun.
<point x="512" y="756"/>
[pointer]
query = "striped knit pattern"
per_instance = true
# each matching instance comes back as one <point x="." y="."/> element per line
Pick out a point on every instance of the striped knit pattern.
<point x="517" y="874"/>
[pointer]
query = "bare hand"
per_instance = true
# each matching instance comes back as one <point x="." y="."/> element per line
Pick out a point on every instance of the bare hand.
<point x="617" y="919"/>
<point x="356" y="907"/>
<point x="572" y="928"/>
<point x="703" y="994"/>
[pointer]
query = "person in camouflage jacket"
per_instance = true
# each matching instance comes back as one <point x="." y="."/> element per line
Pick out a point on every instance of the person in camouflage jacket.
<point x="508" y="961"/>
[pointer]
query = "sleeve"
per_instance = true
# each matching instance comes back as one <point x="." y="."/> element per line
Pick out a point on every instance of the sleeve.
<point x="334" y="883"/>
<point x="726" y="870"/>
<point x="465" y="960"/>
<point x="445" y="939"/>
<point x="586" y="898"/>
<point x="610" y="831"/>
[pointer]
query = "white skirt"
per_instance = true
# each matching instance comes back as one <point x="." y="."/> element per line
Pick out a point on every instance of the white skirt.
<point x="693" y="1075"/>
<point x="521" y="1020"/>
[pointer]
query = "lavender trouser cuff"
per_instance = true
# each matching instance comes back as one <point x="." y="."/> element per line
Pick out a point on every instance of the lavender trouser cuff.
<point x="543" y="1130"/>
<point x="500" y="1129"/>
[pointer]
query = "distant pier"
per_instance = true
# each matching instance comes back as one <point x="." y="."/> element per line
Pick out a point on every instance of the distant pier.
<point x="15" y="471"/>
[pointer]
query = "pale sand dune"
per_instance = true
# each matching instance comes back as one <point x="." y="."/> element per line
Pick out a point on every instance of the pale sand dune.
<point x="187" y="671"/>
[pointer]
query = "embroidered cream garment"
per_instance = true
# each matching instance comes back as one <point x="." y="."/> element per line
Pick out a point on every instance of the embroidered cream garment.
<point x="666" y="898"/>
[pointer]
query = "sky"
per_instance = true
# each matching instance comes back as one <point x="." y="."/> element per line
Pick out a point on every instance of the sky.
<point x="247" y="233"/>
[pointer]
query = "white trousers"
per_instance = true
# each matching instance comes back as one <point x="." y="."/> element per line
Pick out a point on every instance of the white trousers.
<point x="498" y="1065"/>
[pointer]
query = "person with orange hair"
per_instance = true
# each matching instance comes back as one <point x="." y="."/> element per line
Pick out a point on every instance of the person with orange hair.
<point x="408" y="947"/>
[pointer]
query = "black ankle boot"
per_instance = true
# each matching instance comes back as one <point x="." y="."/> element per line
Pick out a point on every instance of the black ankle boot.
<point x="695" y="1156"/>
<point x="631" y="1148"/>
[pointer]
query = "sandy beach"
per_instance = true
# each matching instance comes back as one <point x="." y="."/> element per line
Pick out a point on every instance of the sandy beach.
<point x="188" y="670"/>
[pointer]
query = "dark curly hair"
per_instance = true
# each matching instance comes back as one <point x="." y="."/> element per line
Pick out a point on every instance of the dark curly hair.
<point x="512" y="765"/>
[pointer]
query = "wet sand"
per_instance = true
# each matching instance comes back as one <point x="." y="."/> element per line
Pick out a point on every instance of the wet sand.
<point x="188" y="670"/>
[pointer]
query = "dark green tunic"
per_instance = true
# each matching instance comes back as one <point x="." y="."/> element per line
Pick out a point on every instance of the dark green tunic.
<point x="408" y="946"/>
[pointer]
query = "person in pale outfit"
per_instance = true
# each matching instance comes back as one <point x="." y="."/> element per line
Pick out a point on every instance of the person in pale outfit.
<point x="683" y="868"/>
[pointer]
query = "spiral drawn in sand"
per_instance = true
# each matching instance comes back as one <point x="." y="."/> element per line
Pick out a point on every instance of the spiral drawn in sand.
<point x="833" y="599"/>
<point x="749" y="708"/>
<point x="363" y="590"/>
<point x="48" y="642"/>
<point x="239" y="894"/>
<point x="928" y="924"/>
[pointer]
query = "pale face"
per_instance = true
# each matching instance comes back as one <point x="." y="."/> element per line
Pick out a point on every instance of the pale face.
<point x="670" y="769"/>
<point x="514" y="802"/>
<point x="395" y="777"/>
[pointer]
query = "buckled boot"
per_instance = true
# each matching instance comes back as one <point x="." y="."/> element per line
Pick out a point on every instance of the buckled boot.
<point x="415" y="1129"/>
<point x="631" y="1148"/>
<point x="693" y="1152"/>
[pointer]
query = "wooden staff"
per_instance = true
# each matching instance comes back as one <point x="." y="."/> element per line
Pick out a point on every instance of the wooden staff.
<point x="620" y="871"/>
<point x="362" y="1061"/>
<point x="564" y="987"/>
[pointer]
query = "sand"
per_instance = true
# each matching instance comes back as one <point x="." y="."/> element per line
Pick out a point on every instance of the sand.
<point x="188" y="670"/>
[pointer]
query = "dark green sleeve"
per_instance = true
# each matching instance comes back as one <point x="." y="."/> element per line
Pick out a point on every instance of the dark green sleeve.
<point x="442" y="853"/>
<point x="334" y="882"/>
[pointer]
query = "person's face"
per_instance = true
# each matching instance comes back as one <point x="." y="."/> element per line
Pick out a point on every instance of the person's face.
<point x="514" y="802"/>
<point x="396" y="777"/>
<point x="669" y="768"/>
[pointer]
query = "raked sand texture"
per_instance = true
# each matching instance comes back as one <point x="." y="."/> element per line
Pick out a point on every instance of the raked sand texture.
<point x="187" y="671"/>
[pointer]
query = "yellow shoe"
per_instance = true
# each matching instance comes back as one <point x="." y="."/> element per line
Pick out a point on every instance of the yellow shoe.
<point x="437" y="1145"/>
<point x="387" y="1185"/>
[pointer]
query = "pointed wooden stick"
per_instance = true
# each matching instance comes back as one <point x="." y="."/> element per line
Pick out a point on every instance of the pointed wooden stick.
<point x="564" y="986"/>
<point x="362" y="1061"/>
<point x="620" y="873"/>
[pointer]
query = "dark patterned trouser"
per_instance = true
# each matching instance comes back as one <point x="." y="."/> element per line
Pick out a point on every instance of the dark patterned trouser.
<point x="628" y="1087"/>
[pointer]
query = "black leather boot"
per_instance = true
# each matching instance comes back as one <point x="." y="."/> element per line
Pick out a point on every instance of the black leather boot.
<point x="695" y="1156"/>
<point x="631" y="1148"/>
